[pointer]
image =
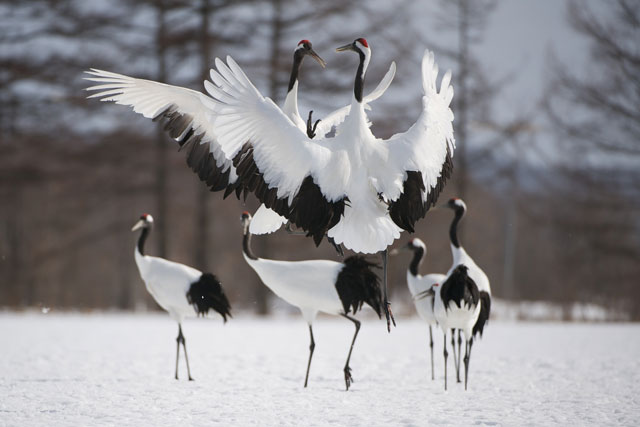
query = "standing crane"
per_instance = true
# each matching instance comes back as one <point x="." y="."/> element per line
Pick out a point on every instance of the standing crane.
<point x="461" y="257"/>
<point x="336" y="288"/>
<point x="353" y="187"/>
<point x="418" y="284"/>
<point x="456" y="305"/>
<point x="180" y="290"/>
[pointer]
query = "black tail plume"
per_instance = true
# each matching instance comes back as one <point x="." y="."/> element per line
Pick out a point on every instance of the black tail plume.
<point x="358" y="284"/>
<point x="207" y="294"/>
<point x="485" y="311"/>
<point x="460" y="288"/>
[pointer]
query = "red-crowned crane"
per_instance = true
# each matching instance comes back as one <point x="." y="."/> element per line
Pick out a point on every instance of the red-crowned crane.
<point x="461" y="257"/>
<point x="186" y="118"/>
<point x="353" y="187"/>
<point x="179" y="289"/>
<point x="418" y="284"/>
<point x="456" y="305"/>
<point x="264" y="219"/>
<point x="336" y="288"/>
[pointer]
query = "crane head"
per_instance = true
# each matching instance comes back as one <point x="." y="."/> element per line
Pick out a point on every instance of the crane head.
<point x="456" y="204"/>
<point x="145" y="221"/>
<point x="246" y="220"/>
<point x="411" y="245"/>
<point x="305" y="48"/>
<point x="358" y="45"/>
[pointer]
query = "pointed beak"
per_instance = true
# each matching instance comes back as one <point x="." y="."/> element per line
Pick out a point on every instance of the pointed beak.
<point x="424" y="294"/>
<point x="315" y="56"/>
<point x="138" y="225"/>
<point x="345" y="48"/>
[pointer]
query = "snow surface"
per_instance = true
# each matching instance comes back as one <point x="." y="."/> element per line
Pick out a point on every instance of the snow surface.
<point x="117" y="369"/>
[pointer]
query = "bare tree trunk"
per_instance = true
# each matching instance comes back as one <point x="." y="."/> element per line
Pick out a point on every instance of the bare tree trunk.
<point x="203" y="222"/>
<point x="461" y="109"/>
<point x="276" y="38"/>
<point x="161" y="143"/>
<point x="261" y="295"/>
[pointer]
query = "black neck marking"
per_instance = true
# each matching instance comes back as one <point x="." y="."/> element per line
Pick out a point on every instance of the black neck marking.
<point x="418" y="253"/>
<point x="359" y="83"/>
<point x="246" y="244"/>
<point x="298" y="56"/>
<point x="143" y="239"/>
<point x="453" y="231"/>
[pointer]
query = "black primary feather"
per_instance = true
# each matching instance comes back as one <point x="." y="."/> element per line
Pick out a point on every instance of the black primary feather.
<point x="207" y="294"/>
<point x="199" y="157"/>
<point x="357" y="284"/>
<point x="485" y="311"/>
<point x="460" y="288"/>
<point x="309" y="209"/>
<point x="409" y="207"/>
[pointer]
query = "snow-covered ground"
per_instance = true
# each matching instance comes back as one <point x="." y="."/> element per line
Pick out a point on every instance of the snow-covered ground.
<point x="117" y="369"/>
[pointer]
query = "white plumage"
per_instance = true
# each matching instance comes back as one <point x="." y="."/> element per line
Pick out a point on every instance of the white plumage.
<point x="308" y="285"/>
<point x="419" y="284"/>
<point x="456" y="305"/>
<point x="335" y="288"/>
<point x="179" y="289"/>
<point x="359" y="190"/>
<point x="352" y="165"/>
<point x="264" y="219"/>
<point x="168" y="283"/>
<point x="461" y="257"/>
<point x="188" y="121"/>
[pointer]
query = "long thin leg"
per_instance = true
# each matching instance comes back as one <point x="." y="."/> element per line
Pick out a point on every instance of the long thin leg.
<point x="459" y="350"/>
<point x="387" y="305"/>
<point x="312" y="346"/>
<point x="431" y="345"/>
<point x="445" y="361"/>
<point x="456" y="361"/>
<point x="467" y="356"/>
<point x="178" y="348"/>
<point x="347" y="370"/>
<point x="184" y="344"/>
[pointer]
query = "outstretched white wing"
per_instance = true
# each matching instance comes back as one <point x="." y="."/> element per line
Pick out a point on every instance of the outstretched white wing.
<point x="423" y="153"/>
<point x="336" y="117"/>
<point x="185" y="120"/>
<point x="274" y="159"/>
<point x="264" y="220"/>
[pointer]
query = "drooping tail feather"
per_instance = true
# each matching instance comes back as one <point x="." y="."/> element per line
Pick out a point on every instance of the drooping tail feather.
<point x="207" y="294"/>
<point x="485" y="311"/>
<point x="358" y="284"/>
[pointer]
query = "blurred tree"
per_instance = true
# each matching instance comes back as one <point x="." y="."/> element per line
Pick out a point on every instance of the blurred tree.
<point x="598" y="191"/>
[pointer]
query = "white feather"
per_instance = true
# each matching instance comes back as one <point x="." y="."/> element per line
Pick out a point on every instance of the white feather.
<point x="266" y="221"/>
<point x="308" y="285"/>
<point x="168" y="283"/>
<point x="150" y="98"/>
<point x="352" y="164"/>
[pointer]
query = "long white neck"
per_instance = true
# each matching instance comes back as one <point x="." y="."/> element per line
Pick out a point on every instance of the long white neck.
<point x="459" y="255"/>
<point x="290" y="107"/>
<point x="142" y="262"/>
